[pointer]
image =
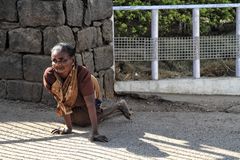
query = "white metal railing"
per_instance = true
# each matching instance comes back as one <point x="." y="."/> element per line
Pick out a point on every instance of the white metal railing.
<point x="197" y="44"/>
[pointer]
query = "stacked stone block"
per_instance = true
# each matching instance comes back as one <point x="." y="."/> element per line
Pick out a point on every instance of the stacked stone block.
<point x="30" y="28"/>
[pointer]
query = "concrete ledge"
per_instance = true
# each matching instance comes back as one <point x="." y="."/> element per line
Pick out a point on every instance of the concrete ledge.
<point x="202" y="86"/>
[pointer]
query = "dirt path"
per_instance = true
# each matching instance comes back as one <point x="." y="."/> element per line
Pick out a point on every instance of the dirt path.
<point x="177" y="132"/>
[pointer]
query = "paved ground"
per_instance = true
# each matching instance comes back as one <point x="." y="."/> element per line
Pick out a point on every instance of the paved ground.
<point x="164" y="129"/>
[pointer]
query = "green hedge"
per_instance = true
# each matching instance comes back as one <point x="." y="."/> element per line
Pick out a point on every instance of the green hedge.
<point x="173" y="22"/>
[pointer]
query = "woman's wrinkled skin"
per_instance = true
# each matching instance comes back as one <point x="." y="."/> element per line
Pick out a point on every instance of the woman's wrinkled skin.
<point x="62" y="63"/>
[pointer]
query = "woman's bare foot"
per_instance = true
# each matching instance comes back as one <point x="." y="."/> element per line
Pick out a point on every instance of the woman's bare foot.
<point x="123" y="107"/>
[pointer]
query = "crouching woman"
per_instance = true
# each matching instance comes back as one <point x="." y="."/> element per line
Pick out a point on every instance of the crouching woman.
<point x="73" y="87"/>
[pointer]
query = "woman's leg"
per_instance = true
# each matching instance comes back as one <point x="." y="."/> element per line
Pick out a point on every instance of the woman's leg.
<point x="80" y="117"/>
<point x="115" y="109"/>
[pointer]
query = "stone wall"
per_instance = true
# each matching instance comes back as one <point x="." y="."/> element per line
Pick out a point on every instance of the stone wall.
<point x="30" y="28"/>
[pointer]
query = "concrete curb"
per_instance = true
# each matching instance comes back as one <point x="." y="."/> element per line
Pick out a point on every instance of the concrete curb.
<point x="201" y="86"/>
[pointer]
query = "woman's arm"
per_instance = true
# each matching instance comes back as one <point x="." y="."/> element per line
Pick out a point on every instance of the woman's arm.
<point x="48" y="79"/>
<point x="90" y="102"/>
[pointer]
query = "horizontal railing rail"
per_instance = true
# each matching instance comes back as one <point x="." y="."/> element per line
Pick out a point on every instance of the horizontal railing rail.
<point x="187" y="6"/>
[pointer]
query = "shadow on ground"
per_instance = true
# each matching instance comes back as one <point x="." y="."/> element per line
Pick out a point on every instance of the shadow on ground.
<point x="25" y="134"/>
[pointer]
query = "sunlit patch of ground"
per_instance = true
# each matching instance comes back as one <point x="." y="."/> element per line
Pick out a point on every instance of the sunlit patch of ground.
<point x="25" y="134"/>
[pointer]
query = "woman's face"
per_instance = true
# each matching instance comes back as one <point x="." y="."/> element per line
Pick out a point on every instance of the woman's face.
<point x="62" y="63"/>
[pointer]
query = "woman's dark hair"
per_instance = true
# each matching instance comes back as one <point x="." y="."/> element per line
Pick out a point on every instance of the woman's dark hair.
<point x="64" y="47"/>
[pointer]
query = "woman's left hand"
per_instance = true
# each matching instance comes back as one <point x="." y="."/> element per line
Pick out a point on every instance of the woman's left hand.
<point x="62" y="131"/>
<point x="98" y="137"/>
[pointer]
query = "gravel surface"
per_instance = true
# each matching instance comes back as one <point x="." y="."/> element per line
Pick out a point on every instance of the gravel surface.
<point x="164" y="129"/>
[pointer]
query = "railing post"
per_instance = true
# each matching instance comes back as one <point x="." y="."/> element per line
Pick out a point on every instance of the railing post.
<point x="238" y="42"/>
<point x="154" y="35"/>
<point x="113" y="67"/>
<point x="196" y="44"/>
